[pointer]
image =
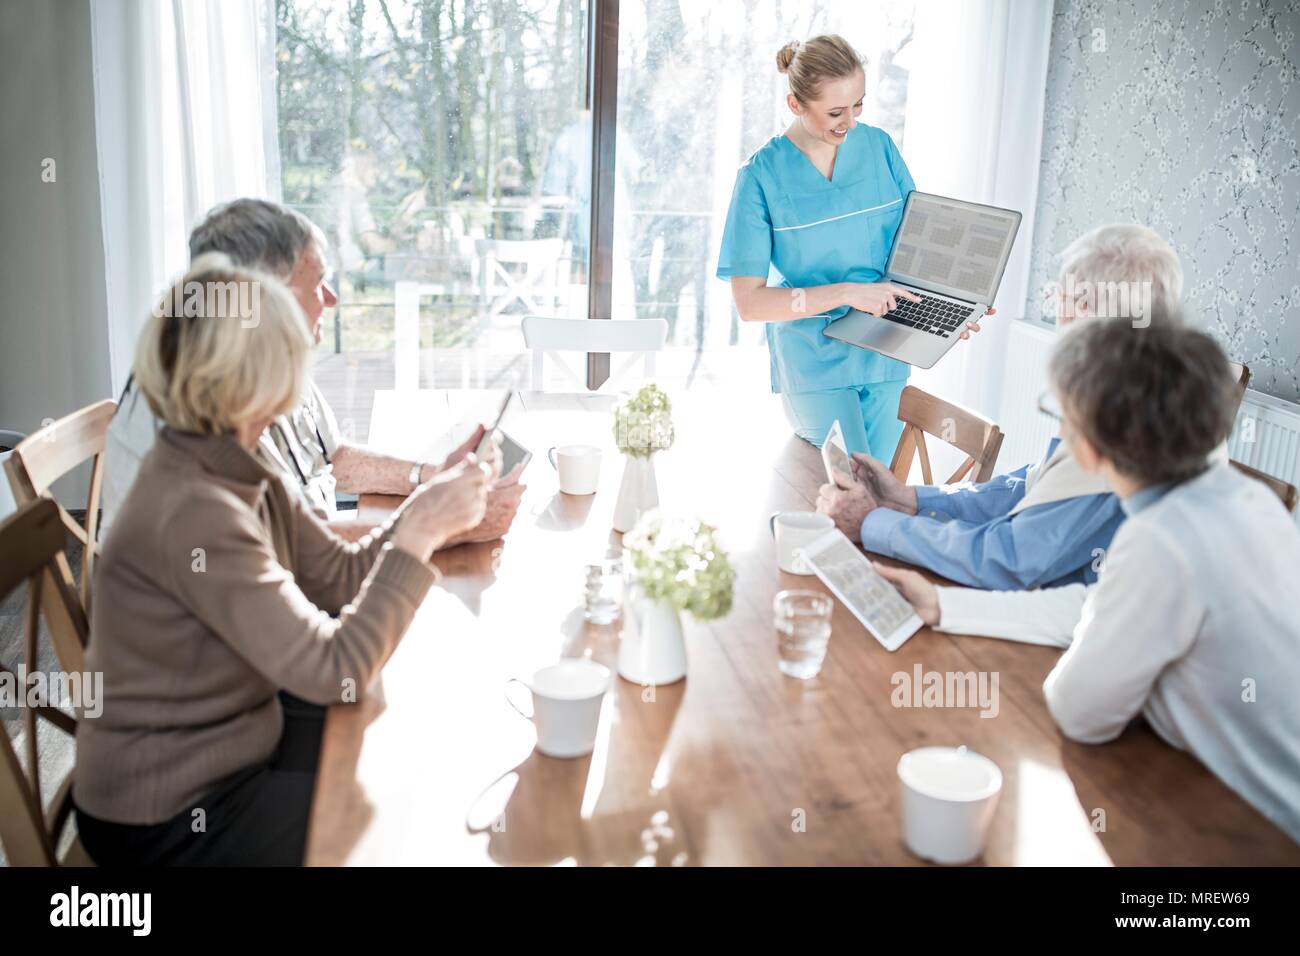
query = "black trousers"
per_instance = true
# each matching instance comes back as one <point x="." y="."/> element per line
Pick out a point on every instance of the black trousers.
<point x="258" y="817"/>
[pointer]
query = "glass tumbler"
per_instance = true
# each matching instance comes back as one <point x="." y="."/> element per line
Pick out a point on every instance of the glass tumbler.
<point x="603" y="593"/>
<point x="803" y="630"/>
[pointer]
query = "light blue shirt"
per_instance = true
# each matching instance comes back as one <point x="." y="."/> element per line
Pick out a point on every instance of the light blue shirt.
<point x="794" y="228"/>
<point x="967" y="534"/>
<point x="1144" y="498"/>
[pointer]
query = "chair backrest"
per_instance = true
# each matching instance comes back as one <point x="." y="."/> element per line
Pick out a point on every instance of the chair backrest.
<point x="531" y="283"/>
<point x="1240" y="375"/>
<point x="923" y="414"/>
<point x="31" y="540"/>
<point x="47" y="455"/>
<point x="1283" y="489"/>
<point x="547" y="336"/>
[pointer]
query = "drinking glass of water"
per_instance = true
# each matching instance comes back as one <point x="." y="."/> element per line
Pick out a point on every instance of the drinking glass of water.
<point x="603" y="594"/>
<point x="803" y="629"/>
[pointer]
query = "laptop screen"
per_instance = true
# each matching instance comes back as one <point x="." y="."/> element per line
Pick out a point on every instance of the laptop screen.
<point x="959" y="248"/>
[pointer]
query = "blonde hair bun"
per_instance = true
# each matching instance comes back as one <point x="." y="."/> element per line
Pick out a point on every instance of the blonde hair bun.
<point x="812" y="62"/>
<point x="785" y="56"/>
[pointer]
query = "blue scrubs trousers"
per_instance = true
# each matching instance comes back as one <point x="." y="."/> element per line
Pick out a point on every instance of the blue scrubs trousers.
<point x="868" y="416"/>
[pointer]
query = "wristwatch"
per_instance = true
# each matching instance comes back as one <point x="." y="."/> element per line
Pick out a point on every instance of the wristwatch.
<point x="415" y="474"/>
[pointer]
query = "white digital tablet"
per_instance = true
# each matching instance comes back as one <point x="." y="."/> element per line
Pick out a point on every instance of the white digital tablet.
<point x="512" y="453"/>
<point x="835" y="456"/>
<point x="873" y="600"/>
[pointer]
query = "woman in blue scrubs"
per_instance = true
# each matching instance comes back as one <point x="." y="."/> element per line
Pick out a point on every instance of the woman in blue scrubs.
<point x="819" y="205"/>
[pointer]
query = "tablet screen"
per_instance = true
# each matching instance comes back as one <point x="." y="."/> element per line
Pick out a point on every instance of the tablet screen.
<point x="512" y="453"/>
<point x="873" y="600"/>
<point x="835" y="456"/>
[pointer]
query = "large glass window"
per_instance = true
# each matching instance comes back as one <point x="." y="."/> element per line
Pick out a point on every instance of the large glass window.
<point x="444" y="148"/>
<point x="698" y="91"/>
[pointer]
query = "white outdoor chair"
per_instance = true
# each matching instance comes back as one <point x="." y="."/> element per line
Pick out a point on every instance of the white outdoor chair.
<point x="518" y="270"/>
<point x="642" y="338"/>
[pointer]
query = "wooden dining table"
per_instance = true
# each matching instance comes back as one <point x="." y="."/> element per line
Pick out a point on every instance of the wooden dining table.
<point x="736" y="764"/>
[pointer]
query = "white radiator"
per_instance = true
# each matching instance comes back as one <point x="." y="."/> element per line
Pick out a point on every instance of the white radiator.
<point x="1027" y="429"/>
<point x="1266" y="435"/>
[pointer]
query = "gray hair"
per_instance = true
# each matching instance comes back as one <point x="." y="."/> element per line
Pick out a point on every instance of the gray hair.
<point x="256" y="234"/>
<point x="810" y="63"/>
<point x="1155" y="401"/>
<point x="1121" y="256"/>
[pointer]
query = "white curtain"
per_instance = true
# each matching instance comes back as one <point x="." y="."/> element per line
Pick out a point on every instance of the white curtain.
<point x="184" y="119"/>
<point x="973" y="130"/>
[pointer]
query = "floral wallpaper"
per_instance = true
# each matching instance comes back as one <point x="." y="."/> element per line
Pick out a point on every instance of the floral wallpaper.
<point x="1184" y="115"/>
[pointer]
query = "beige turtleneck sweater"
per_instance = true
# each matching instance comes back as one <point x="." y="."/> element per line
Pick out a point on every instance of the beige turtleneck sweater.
<point x="216" y="589"/>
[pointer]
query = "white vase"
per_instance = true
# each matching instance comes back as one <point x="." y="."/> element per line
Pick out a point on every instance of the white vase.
<point x="652" y="649"/>
<point x="638" y="493"/>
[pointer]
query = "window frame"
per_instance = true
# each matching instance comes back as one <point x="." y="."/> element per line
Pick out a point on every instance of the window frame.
<point x="602" y="100"/>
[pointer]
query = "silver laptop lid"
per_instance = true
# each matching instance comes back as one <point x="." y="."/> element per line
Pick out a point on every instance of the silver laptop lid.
<point x="952" y="247"/>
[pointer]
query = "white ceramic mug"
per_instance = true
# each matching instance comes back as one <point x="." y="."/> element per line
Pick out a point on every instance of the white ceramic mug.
<point x="949" y="797"/>
<point x="579" y="468"/>
<point x="794" y="530"/>
<point x="567" y="698"/>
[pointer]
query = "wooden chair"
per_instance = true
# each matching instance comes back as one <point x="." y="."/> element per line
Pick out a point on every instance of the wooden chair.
<point x="1284" y="490"/>
<point x="922" y="414"/>
<point x="1241" y="375"/>
<point x="36" y="463"/>
<point x="31" y="540"/>
<point x="547" y="336"/>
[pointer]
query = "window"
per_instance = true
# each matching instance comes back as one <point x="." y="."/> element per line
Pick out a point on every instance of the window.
<point x="445" y="148"/>
<point x="698" y="91"/>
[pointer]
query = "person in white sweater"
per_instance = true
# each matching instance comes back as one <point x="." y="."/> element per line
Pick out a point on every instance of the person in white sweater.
<point x="1193" y="622"/>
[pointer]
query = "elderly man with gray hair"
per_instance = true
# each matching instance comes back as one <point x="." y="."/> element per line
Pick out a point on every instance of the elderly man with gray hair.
<point x="305" y="444"/>
<point x="1040" y="525"/>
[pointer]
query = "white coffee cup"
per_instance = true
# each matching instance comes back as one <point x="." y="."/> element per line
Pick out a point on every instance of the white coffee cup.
<point x="579" y="468"/>
<point x="567" y="698"/>
<point x="949" y="798"/>
<point x="794" y="530"/>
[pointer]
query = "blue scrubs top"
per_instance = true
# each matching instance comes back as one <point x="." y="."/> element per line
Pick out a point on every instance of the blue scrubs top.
<point x="790" y="225"/>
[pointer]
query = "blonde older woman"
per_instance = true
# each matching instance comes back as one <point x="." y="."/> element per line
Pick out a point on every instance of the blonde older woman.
<point x="219" y="590"/>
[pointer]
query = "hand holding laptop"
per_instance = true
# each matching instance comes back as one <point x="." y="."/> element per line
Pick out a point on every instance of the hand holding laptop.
<point x="973" y="325"/>
<point x="950" y="255"/>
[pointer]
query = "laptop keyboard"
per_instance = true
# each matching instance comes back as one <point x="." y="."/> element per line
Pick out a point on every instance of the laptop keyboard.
<point x="934" y="315"/>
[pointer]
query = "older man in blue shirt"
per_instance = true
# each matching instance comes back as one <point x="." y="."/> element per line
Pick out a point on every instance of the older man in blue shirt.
<point x="981" y="534"/>
<point x="1042" y="525"/>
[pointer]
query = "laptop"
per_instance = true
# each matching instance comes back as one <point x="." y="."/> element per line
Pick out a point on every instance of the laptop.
<point x="952" y="254"/>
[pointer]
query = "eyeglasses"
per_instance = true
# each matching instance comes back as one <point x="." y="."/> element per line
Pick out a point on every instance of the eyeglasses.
<point x="1049" y="406"/>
